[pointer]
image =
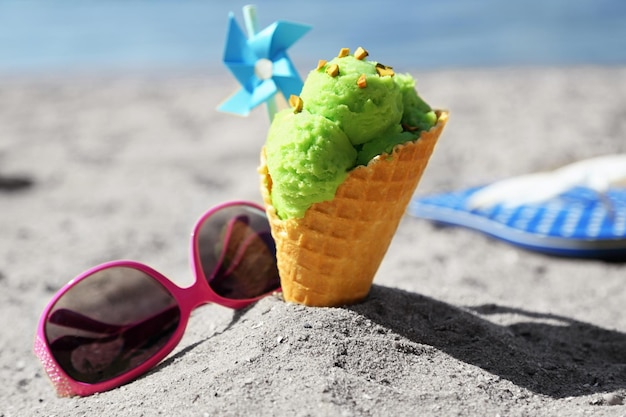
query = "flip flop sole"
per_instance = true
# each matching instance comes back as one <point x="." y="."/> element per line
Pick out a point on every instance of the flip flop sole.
<point x="578" y="223"/>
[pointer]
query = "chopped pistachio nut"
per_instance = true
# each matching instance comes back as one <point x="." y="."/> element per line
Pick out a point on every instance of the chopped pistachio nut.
<point x="384" y="70"/>
<point x="296" y="102"/>
<point x="361" y="82"/>
<point x="321" y="63"/>
<point x="344" y="52"/>
<point x="333" y="70"/>
<point x="360" y="53"/>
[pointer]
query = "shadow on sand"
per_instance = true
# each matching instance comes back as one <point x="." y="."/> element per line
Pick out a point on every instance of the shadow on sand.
<point x="545" y="353"/>
<point x="14" y="183"/>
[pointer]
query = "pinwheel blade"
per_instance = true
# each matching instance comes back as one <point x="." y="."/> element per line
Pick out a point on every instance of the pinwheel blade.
<point x="263" y="92"/>
<point x="286" y="77"/>
<point x="236" y="49"/>
<point x="286" y="34"/>
<point x="238" y="103"/>
<point x="278" y="37"/>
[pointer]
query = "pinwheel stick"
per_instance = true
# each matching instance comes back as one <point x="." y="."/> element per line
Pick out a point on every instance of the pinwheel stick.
<point x="249" y="15"/>
<point x="252" y="27"/>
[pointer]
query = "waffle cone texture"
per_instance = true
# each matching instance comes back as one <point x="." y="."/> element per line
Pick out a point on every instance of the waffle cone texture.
<point x="330" y="256"/>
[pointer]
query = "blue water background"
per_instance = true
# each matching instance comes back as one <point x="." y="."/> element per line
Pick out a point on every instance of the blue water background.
<point x="60" y="36"/>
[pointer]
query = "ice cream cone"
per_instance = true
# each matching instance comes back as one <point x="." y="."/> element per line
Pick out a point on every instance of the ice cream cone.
<point x="329" y="257"/>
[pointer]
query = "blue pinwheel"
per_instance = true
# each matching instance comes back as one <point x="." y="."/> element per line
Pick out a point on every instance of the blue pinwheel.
<point x="261" y="65"/>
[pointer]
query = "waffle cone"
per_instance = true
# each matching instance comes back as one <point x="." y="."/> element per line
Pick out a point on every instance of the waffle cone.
<point x="329" y="257"/>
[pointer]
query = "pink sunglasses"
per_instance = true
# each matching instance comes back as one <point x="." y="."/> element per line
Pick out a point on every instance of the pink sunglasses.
<point x="117" y="320"/>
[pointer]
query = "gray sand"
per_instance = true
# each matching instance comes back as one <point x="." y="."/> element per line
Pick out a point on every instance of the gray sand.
<point x="456" y="324"/>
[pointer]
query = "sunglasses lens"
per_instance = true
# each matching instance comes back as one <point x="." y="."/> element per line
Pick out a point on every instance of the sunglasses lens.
<point x="237" y="253"/>
<point x="109" y="323"/>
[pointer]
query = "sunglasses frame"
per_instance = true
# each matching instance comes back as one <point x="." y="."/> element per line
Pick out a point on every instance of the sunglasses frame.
<point x="187" y="299"/>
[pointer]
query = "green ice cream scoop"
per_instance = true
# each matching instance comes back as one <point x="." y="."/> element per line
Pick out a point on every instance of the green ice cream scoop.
<point x="307" y="157"/>
<point x="417" y="114"/>
<point x="349" y="111"/>
<point x="417" y="117"/>
<point x="362" y="112"/>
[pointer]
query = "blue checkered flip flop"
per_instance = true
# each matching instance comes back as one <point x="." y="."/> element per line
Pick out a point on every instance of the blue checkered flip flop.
<point x="576" y="211"/>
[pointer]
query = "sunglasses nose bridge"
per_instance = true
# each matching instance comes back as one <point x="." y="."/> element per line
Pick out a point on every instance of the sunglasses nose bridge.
<point x="199" y="293"/>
